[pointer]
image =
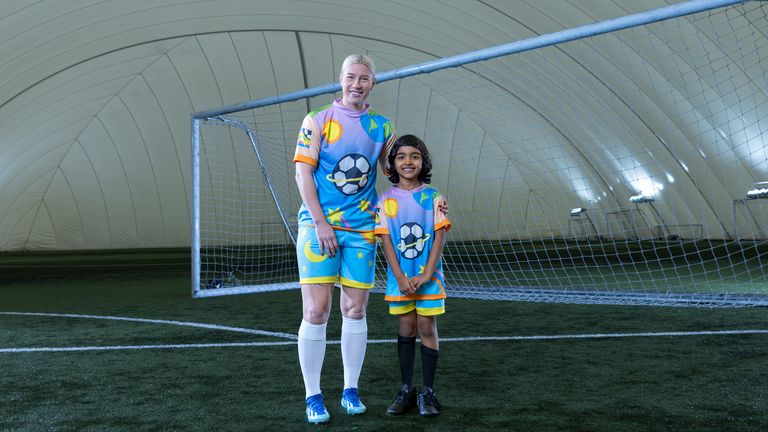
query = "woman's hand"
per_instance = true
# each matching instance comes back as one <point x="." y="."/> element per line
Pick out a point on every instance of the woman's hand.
<point x="326" y="238"/>
<point x="442" y="205"/>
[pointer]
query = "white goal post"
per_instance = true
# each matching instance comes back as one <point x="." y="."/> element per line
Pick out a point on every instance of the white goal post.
<point x="604" y="184"/>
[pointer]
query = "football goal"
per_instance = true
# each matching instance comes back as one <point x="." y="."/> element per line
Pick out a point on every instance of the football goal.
<point x="607" y="163"/>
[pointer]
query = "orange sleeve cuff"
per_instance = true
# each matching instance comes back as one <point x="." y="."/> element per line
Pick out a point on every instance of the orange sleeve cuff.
<point x="306" y="159"/>
<point x="445" y="223"/>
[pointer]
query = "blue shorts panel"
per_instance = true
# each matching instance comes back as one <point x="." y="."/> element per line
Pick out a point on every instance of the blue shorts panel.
<point x="423" y="307"/>
<point x="354" y="264"/>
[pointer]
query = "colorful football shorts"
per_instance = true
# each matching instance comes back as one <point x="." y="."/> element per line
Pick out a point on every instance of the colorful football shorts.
<point x="429" y="299"/>
<point x="354" y="264"/>
<point x="423" y="307"/>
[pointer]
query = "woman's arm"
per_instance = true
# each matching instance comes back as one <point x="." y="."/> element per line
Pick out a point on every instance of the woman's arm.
<point x="326" y="238"/>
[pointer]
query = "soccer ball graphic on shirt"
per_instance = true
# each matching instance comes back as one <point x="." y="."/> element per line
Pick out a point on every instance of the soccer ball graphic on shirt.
<point x="351" y="173"/>
<point x="412" y="240"/>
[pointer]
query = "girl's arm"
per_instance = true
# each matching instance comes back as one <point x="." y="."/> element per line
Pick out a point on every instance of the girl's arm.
<point x="405" y="285"/>
<point x="434" y="258"/>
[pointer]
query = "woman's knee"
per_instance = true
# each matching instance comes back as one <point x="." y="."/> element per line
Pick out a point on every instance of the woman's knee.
<point x="354" y="303"/>
<point x="315" y="314"/>
<point x="353" y="310"/>
<point x="316" y="304"/>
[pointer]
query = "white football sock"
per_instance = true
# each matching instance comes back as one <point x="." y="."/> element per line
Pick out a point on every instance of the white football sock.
<point x="311" y="355"/>
<point x="354" y="338"/>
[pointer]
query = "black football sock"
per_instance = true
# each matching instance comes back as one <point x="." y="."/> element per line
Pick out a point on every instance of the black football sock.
<point x="406" y="352"/>
<point x="428" y="365"/>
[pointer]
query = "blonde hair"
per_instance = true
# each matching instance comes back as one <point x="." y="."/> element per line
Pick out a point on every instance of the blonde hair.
<point x="358" y="59"/>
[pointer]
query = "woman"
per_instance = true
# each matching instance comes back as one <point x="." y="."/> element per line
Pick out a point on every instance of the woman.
<point x="335" y="158"/>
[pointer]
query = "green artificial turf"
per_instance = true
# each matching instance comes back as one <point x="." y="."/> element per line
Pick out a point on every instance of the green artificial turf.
<point x="650" y="383"/>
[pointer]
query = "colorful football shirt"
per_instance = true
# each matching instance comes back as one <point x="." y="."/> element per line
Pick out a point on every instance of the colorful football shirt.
<point x="411" y="218"/>
<point x="344" y="146"/>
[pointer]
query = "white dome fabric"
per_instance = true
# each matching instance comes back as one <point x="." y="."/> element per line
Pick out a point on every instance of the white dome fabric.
<point x="96" y="96"/>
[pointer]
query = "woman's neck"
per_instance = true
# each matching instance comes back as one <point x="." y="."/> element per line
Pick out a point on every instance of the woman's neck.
<point x="354" y="107"/>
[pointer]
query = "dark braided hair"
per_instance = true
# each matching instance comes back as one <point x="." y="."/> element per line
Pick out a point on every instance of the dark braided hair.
<point x="425" y="176"/>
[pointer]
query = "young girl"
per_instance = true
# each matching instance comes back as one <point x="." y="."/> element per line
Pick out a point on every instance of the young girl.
<point x="412" y="233"/>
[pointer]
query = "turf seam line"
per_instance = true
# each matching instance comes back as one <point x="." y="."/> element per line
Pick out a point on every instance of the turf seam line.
<point x="158" y="321"/>
<point x="608" y="335"/>
<point x="378" y="341"/>
<point x="140" y="347"/>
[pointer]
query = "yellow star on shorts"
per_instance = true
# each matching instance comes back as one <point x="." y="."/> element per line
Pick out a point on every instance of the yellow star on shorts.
<point x="360" y="255"/>
<point x="421" y="269"/>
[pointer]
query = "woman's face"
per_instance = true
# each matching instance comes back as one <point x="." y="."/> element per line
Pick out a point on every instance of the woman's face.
<point x="356" y="84"/>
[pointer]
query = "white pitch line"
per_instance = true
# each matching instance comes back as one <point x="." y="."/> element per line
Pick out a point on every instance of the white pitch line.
<point x="157" y="321"/>
<point x="381" y="341"/>
<point x="140" y="347"/>
<point x="605" y="335"/>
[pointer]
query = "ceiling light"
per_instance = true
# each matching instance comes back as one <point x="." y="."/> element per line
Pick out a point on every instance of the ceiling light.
<point x="642" y="198"/>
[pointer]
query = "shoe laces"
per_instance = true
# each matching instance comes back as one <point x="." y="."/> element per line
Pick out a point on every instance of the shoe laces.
<point x="400" y="398"/>
<point x="429" y="397"/>
<point x="316" y="403"/>
<point x="352" y="395"/>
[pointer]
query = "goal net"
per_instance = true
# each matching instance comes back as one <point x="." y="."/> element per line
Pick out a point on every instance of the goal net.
<point x="609" y="169"/>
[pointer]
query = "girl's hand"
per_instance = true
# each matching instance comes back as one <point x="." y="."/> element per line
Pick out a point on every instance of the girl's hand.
<point x="405" y="285"/>
<point x="419" y="280"/>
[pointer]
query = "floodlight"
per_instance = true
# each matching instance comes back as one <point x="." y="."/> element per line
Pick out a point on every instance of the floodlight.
<point x="758" y="193"/>
<point x="642" y="198"/>
<point x="577" y="210"/>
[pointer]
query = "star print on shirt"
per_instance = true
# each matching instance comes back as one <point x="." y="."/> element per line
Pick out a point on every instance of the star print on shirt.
<point x="365" y="206"/>
<point x="334" y="216"/>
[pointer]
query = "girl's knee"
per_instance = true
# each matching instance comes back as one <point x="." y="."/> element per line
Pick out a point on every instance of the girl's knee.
<point x="407" y="325"/>
<point x="427" y="326"/>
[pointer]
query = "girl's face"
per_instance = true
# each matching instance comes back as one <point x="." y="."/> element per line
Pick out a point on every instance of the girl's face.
<point x="408" y="163"/>
<point x="356" y="84"/>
